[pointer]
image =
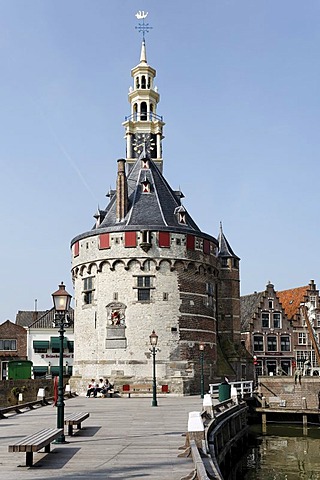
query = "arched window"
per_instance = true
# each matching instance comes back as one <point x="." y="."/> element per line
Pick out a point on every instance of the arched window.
<point x="149" y="82"/>
<point x="135" y="111"/>
<point x="143" y="110"/>
<point x="137" y="83"/>
<point x="151" y="111"/>
<point x="143" y="81"/>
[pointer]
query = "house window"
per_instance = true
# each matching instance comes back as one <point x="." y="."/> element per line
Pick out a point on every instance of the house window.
<point x="88" y="290"/>
<point x="285" y="343"/>
<point x="40" y="346"/>
<point x="265" y="318"/>
<point x="277" y="320"/>
<point x="272" y="344"/>
<point x="258" y="343"/>
<point x="302" y="338"/>
<point x="8" y="344"/>
<point x="270" y="303"/>
<point x="144" y="287"/>
<point x="313" y="301"/>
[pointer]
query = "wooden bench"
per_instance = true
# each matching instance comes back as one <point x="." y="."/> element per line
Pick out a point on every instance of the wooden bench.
<point x="75" y="419"/>
<point x="275" y="402"/>
<point x="35" y="442"/>
<point x="143" y="389"/>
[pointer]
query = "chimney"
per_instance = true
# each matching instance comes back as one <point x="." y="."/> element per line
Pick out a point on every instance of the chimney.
<point x="122" y="191"/>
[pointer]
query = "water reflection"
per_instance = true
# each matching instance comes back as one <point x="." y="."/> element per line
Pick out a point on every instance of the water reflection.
<point x="283" y="454"/>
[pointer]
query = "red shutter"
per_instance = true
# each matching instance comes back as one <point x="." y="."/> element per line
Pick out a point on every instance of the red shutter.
<point x="104" y="241"/>
<point x="206" y="246"/>
<point x="76" y="249"/>
<point x="190" y="242"/>
<point x="164" y="239"/>
<point x="130" y="239"/>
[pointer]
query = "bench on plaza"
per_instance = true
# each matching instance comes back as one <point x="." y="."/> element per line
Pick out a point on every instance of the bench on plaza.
<point x="275" y="402"/>
<point x="143" y="389"/>
<point x="35" y="442"/>
<point x="75" y="419"/>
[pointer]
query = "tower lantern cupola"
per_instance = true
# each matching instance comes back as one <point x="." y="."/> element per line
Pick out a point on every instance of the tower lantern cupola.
<point x="143" y="127"/>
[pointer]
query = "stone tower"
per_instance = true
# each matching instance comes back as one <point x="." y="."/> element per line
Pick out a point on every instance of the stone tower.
<point x="146" y="265"/>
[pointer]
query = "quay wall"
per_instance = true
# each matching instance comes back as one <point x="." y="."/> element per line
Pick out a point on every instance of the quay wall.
<point x="10" y="389"/>
<point x="286" y="388"/>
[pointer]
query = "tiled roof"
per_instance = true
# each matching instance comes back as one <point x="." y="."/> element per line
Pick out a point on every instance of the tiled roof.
<point x="248" y="306"/>
<point x="224" y="247"/>
<point x="291" y="299"/>
<point x="24" y="318"/>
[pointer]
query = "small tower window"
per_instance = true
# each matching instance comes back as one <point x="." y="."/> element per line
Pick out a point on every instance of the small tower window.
<point x="135" y="111"/>
<point x="146" y="186"/>
<point x="137" y="83"/>
<point x="143" y="109"/>
<point x="180" y="213"/>
<point x="145" y="163"/>
<point x="143" y="82"/>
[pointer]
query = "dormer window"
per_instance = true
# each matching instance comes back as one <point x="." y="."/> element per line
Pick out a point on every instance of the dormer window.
<point x="145" y="163"/>
<point x="180" y="213"/>
<point x="146" y="186"/>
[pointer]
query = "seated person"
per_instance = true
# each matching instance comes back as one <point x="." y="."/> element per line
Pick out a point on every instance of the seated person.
<point x="91" y="387"/>
<point x="99" y="388"/>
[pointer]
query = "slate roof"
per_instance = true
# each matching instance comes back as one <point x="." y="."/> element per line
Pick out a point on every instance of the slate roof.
<point x="291" y="300"/>
<point x="248" y="306"/>
<point x="156" y="210"/>
<point x="24" y="318"/>
<point x="39" y="319"/>
<point x="224" y="247"/>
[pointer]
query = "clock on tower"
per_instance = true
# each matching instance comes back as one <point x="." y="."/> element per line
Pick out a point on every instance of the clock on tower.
<point x="144" y="142"/>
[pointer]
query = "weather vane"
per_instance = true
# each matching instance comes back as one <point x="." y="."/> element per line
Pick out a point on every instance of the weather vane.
<point x="143" y="27"/>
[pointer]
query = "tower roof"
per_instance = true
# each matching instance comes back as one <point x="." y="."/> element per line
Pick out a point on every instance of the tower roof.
<point x="224" y="247"/>
<point x="158" y="209"/>
<point x="143" y="54"/>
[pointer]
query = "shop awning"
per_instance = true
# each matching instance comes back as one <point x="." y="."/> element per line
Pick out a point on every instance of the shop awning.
<point x="70" y="346"/>
<point x="55" y="342"/>
<point x="44" y="344"/>
<point x="40" y="369"/>
<point x="54" y="370"/>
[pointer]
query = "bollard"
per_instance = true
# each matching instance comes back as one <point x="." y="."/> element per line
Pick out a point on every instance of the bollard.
<point x="195" y="428"/>
<point x="41" y="394"/>
<point x="207" y="404"/>
<point x="234" y="395"/>
<point x="68" y="389"/>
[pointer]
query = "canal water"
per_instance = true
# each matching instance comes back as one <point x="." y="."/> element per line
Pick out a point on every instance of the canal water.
<point x="282" y="454"/>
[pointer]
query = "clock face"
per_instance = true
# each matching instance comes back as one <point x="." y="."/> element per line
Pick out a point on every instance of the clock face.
<point x="144" y="143"/>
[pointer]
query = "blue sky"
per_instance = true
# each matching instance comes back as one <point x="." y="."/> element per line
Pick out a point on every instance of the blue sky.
<point x="239" y="85"/>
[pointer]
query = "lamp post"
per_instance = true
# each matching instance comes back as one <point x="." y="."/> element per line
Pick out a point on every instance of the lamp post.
<point x="201" y="348"/>
<point x="61" y="301"/>
<point x="153" y="341"/>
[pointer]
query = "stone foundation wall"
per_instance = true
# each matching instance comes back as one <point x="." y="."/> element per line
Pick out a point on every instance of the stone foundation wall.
<point x="10" y="389"/>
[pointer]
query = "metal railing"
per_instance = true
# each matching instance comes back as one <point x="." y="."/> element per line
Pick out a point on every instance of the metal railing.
<point x="143" y="117"/>
<point x="244" y="388"/>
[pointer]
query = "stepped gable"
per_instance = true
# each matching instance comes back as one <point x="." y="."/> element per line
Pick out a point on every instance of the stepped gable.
<point x="291" y="300"/>
<point x="249" y="305"/>
<point x="157" y="210"/>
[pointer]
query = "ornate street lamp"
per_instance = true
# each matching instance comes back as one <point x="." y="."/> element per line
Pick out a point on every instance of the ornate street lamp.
<point x="61" y="302"/>
<point x="201" y="348"/>
<point x="153" y="341"/>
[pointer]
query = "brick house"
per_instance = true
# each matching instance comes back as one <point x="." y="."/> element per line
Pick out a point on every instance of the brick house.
<point x="13" y="345"/>
<point x="275" y="331"/>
